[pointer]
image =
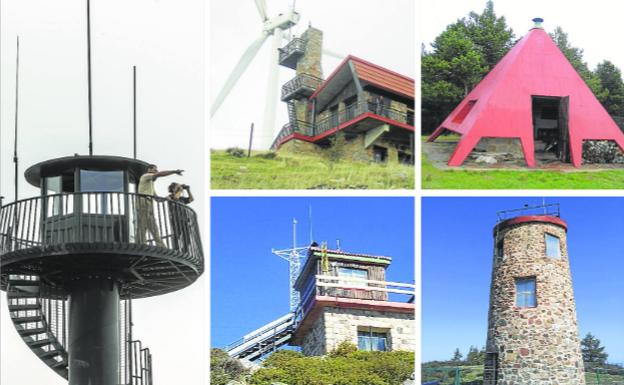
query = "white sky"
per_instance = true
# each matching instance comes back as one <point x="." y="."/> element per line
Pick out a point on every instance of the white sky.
<point x="165" y="40"/>
<point x="595" y="27"/>
<point x="375" y="30"/>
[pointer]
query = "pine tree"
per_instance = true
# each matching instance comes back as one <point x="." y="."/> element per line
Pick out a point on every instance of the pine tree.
<point x="457" y="356"/>
<point x="593" y="353"/>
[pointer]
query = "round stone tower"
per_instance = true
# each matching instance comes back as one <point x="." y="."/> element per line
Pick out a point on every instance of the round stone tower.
<point x="532" y="331"/>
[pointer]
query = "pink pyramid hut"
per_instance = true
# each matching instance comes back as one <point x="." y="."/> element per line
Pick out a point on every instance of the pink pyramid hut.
<point x="533" y="94"/>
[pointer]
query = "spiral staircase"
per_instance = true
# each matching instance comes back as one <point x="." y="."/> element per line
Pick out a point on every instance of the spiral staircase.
<point x="39" y="313"/>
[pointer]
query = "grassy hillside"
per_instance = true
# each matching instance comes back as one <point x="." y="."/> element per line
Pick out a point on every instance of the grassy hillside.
<point x="290" y="171"/>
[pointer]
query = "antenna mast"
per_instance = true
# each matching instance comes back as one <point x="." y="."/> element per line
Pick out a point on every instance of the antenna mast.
<point x="293" y="256"/>
<point x="15" y="158"/>
<point x="134" y="120"/>
<point x="89" y="76"/>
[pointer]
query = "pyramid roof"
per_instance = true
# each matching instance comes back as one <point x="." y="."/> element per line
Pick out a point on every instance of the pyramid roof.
<point x="500" y="106"/>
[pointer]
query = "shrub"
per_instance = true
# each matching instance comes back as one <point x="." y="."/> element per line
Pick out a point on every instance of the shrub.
<point x="236" y="152"/>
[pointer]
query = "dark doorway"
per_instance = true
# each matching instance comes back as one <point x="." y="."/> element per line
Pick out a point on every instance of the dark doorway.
<point x="380" y="154"/>
<point x="550" y="128"/>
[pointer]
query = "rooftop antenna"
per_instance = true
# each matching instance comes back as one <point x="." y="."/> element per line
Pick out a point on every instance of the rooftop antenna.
<point x="89" y="76"/>
<point x="15" y="158"/>
<point x="310" y="223"/>
<point x="134" y="115"/>
<point x="293" y="256"/>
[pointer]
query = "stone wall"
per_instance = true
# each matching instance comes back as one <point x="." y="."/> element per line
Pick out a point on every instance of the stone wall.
<point x="501" y="145"/>
<point x="335" y="325"/>
<point x="537" y="345"/>
<point x="310" y="63"/>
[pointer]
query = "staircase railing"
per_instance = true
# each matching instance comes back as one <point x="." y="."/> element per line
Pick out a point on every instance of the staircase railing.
<point x="270" y="336"/>
<point x="304" y="83"/>
<point x="40" y="316"/>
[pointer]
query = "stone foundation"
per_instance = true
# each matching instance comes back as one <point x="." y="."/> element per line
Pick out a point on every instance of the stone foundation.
<point x="501" y="145"/>
<point x="335" y="325"/>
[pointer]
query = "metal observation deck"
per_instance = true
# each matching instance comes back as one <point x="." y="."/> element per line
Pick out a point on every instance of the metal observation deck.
<point x="73" y="257"/>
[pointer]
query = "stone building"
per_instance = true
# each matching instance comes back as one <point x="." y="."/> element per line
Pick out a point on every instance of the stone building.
<point x="532" y="330"/>
<point x="373" y="107"/>
<point x="345" y="297"/>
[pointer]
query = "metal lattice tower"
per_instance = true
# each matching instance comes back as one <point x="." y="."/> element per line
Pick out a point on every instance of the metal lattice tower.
<point x="293" y="256"/>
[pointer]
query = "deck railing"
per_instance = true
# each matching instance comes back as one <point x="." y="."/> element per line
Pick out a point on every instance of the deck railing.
<point x="350" y="287"/>
<point x="304" y="84"/>
<point x="295" y="46"/>
<point x="354" y="110"/>
<point x="104" y="218"/>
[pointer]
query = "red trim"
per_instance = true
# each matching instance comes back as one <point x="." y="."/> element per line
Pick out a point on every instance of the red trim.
<point x="532" y="219"/>
<point x="344" y="125"/>
<point x="365" y="304"/>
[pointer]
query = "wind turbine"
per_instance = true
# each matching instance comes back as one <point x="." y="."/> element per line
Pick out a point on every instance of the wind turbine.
<point x="270" y="27"/>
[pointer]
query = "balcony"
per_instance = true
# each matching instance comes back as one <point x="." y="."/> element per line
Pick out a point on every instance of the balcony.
<point x="290" y="54"/>
<point x="354" y="110"/>
<point x="350" y="288"/>
<point x="152" y="243"/>
<point x="301" y="86"/>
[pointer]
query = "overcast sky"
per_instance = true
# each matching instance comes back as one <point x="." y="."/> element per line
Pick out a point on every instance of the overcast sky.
<point x="165" y="39"/>
<point x="592" y="27"/>
<point x="375" y="30"/>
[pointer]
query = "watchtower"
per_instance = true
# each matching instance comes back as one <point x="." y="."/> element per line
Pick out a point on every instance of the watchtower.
<point x="345" y="297"/>
<point x="532" y="329"/>
<point x="88" y="241"/>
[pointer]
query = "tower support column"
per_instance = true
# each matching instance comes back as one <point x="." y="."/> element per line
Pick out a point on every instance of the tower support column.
<point x="93" y="344"/>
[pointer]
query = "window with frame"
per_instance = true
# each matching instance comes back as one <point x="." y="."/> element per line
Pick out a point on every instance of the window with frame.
<point x="553" y="246"/>
<point x="370" y="339"/>
<point x="525" y="292"/>
<point x="349" y="272"/>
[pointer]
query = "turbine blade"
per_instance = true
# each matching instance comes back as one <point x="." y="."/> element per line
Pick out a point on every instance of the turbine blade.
<point x="262" y="9"/>
<point x="237" y="72"/>
<point x="269" y="130"/>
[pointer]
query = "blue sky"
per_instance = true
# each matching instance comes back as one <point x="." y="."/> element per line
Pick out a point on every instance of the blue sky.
<point x="250" y="285"/>
<point x="457" y="262"/>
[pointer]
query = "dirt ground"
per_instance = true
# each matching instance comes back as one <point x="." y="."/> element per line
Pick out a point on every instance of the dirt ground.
<point x="438" y="154"/>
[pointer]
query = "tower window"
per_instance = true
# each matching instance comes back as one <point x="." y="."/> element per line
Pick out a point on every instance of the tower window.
<point x="370" y="340"/>
<point x="353" y="273"/>
<point x="525" y="292"/>
<point x="553" y="246"/>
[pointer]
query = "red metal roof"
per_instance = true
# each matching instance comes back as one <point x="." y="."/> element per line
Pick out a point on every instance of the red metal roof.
<point x="384" y="78"/>
<point x="374" y="74"/>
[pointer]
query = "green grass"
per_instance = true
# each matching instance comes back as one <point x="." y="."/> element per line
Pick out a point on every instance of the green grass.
<point x="290" y="171"/>
<point x="434" y="178"/>
<point x="473" y="375"/>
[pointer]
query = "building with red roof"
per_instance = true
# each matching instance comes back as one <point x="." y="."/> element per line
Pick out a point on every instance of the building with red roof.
<point x="372" y="106"/>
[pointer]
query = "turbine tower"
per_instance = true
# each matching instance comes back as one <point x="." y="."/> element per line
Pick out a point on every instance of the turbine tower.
<point x="270" y="27"/>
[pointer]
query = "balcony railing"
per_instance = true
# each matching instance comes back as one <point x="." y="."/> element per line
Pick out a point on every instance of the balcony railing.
<point x="300" y="86"/>
<point x="100" y="221"/>
<point x="354" y="110"/>
<point x="356" y="288"/>
<point x="291" y="52"/>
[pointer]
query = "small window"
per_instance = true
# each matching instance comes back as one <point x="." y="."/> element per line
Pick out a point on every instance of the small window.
<point x="500" y="249"/>
<point x="553" y="247"/>
<point x="353" y="273"/>
<point x="370" y="340"/>
<point x="525" y="292"/>
<point x="461" y="115"/>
